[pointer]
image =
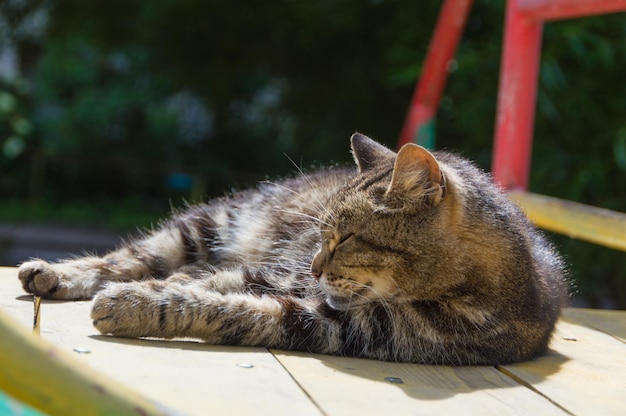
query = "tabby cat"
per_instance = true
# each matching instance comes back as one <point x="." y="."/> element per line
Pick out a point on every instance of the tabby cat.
<point x="413" y="257"/>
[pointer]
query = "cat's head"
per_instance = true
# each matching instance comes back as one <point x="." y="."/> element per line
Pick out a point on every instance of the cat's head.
<point x="382" y="231"/>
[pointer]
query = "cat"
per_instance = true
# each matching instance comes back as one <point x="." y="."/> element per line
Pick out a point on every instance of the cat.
<point x="408" y="257"/>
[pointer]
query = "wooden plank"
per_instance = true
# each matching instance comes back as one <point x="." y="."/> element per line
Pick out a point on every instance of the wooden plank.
<point x="51" y="380"/>
<point x="190" y="377"/>
<point x="596" y="225"/>
<point x="348" y="386"/>
<point x="583" y="373"/>
<point x="608" y="321"/>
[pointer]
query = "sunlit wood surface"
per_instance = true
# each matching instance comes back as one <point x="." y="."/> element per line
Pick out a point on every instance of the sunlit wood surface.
<point x="583" y="374"/>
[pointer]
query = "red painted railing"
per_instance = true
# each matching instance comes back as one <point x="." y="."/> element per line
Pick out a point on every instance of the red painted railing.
<point x="518" y="76"/>
<point x="517" y="95"/>
<point x="518" y="80"/>
<point x="419" y="124"/>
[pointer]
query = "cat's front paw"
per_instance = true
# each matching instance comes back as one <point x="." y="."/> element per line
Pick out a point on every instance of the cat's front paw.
<point x="127" y="310"/>
<point x="39" y="278"/>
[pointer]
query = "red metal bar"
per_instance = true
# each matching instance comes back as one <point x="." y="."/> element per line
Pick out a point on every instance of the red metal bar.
<point x="518" y="79"/>
<point x="516" y="99"/>
<point x="545" y="10"/>
<point x="448" y="30"/>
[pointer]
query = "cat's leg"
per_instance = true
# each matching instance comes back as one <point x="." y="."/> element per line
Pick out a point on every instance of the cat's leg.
<point x="155" y="256"/>
<point x="190" y="273"/>
<point x="169" y="309"/>
<point x="242" y="279"/>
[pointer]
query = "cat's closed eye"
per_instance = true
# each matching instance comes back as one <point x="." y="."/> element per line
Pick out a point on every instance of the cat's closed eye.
<point x="337" y="241"/>
<point x="344" y="239"/>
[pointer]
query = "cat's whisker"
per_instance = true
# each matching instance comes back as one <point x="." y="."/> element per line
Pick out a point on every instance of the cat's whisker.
<point x="304" y="215"/>
<point x="296" y="165"/>
<point x="300" y="170"/>
<point x="316" y="202"/>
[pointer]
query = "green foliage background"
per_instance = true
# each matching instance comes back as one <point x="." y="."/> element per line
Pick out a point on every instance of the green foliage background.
<point x="118" y="101"/>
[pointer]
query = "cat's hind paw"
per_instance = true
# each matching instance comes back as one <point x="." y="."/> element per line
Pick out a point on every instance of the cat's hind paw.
<point x="39" y="278"/>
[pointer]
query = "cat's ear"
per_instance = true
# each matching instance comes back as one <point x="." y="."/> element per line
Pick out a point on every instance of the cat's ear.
<point x="368" y="153"/>
<point x="417" y="177"/>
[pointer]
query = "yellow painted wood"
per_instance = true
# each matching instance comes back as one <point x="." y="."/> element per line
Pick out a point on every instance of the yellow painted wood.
<point x="48" y="379"/>
<point x="348" y="386"/>
<point x="596" y="225"/>
<point x="191" y="377"/>
<point x="584" y="371"/>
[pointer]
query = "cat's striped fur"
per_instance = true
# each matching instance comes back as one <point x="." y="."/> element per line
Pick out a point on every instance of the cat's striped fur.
<point x="409" y="257"/>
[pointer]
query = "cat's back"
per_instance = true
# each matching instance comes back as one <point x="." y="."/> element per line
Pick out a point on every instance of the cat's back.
<point x="275" y="221"/>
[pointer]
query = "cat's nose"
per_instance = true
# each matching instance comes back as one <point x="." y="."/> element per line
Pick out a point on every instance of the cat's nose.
<point x="316" y="272"/>
<point x="316" y="266"/>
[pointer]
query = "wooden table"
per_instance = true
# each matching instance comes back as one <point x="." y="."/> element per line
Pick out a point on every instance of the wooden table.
<point x="583" y="374"/>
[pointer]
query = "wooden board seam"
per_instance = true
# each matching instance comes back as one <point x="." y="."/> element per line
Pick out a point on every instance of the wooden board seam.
<point x="529" y="386"/>
<point x="300" y="386"/>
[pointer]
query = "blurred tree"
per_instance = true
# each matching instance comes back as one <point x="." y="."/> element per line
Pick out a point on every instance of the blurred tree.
<point x="152" y="99"/>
